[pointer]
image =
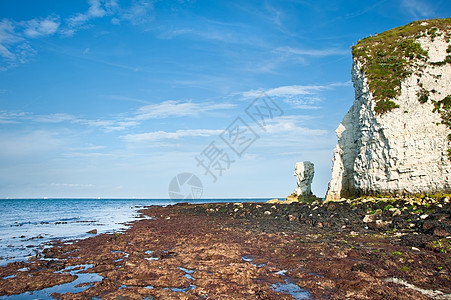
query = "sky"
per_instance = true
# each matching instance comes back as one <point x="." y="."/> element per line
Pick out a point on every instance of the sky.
<point x="120" y="99"/>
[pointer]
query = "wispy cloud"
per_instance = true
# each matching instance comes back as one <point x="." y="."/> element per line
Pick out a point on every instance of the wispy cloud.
<point x="285" y="55"/>
<point x="417" y="8"/>
<point x="129" y="99"/>
<point x="7" y="117"/>
<point x="297" y="96"/>
<point x="139" y="12"/>
<point x="289" y="90"/>
<point x="86" y="155"/>
<point x="107" y="125"/>
<point x="97" y="9"/>
<point x="16" y="35"/>
<point x="173" y="108"/>
<point x="14" y="49"/>
<point x="209" y="33"/>
<point x="266" y="13"/>
<point x="292" y="125"/>
<point x="165" y="109"/>
<point x="42" y="27"/>
<point x="312" y="52"/>
<point x="163" y="135"/>
<point x="53" y="118"/>
<point x="71" y="185"/>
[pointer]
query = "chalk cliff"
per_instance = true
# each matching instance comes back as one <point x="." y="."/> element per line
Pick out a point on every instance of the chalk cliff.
<point x="396" y="137"/>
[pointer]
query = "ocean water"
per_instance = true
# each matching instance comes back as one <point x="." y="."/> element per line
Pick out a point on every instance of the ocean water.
<point x="28" y="225"/>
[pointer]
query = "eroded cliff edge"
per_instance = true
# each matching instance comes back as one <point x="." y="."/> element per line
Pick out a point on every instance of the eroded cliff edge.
<point x="395" y="139"/>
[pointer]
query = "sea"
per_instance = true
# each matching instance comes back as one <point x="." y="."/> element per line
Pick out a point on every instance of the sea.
<point x="27" y="226"/>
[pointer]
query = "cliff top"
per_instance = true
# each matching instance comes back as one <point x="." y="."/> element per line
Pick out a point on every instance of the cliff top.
<point x="390" y="57"/>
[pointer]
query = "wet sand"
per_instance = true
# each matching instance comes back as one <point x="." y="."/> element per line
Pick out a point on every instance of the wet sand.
<point x="372" y="249"/>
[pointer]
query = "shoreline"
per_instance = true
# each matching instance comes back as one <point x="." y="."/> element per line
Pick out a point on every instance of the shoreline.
<point x="255" y="250"/>
<point x="24" y="234"/>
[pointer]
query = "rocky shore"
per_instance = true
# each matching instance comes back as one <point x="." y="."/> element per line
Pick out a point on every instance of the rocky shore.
<point x="368" y="248"/>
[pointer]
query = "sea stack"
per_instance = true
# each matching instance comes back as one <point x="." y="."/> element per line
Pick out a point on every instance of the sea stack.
<point x="304" y="172"/>
<point x="396" y="137"/>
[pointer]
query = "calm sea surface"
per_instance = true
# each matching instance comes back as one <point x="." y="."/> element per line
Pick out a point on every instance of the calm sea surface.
<point x="27" y="225"/>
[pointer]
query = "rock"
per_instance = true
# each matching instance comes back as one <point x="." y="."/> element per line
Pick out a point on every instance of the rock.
<point x="304" y="172"/>
<point x="272" y="201"/>
<point x="441" y="232"/>
<point x="404" y="150"/>
<point x="292" y="218"/>
<point x="379" y="225"/>
<point x="94" y="231"/>
<point x="368" y="218"/>
<point x="396" y="212"/>
<point x="291" y="198"/>
<point x="427" y="225"/>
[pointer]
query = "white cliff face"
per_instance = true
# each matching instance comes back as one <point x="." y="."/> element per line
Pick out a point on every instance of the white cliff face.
<point x="403" y="151"/>
<point x="304" y="172"/>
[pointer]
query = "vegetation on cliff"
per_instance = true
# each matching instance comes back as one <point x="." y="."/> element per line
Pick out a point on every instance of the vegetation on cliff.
<point x="390" y="57"/>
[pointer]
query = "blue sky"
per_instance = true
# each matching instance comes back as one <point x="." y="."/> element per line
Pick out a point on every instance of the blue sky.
<point x="112" y="98"/>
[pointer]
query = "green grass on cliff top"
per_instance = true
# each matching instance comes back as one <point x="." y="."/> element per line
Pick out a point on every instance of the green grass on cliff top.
<point x="390" y="57"/>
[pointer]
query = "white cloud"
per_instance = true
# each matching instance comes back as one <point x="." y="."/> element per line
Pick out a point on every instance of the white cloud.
<point x="138" y="13"/>
<point x="166" y="109"/>
<point x="304" y="102"/>
<point x="53" y="118"/>
<point x="13" y="48"/>
<point x="297" y="96"/>
<point x="42" y="27"/>
<point x="97" y="9"/>
<point x="7" y="117"/>
<point x="89" y="147"/>
<point x="130" y="99"/>
<point x="86" y="155"/>
<point x="417" y="8"/>
<point x="163" y="135"/>
<point x="71" y="185"/>
<point x="7" y="32"/>
<point x="313" y="52"/>
<point x="293" y="126"/>
<point x="206" y="33"/>
<point x="172" y="108"/>
<point x="283" y="91"/>
<point x="107" y="125"/>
